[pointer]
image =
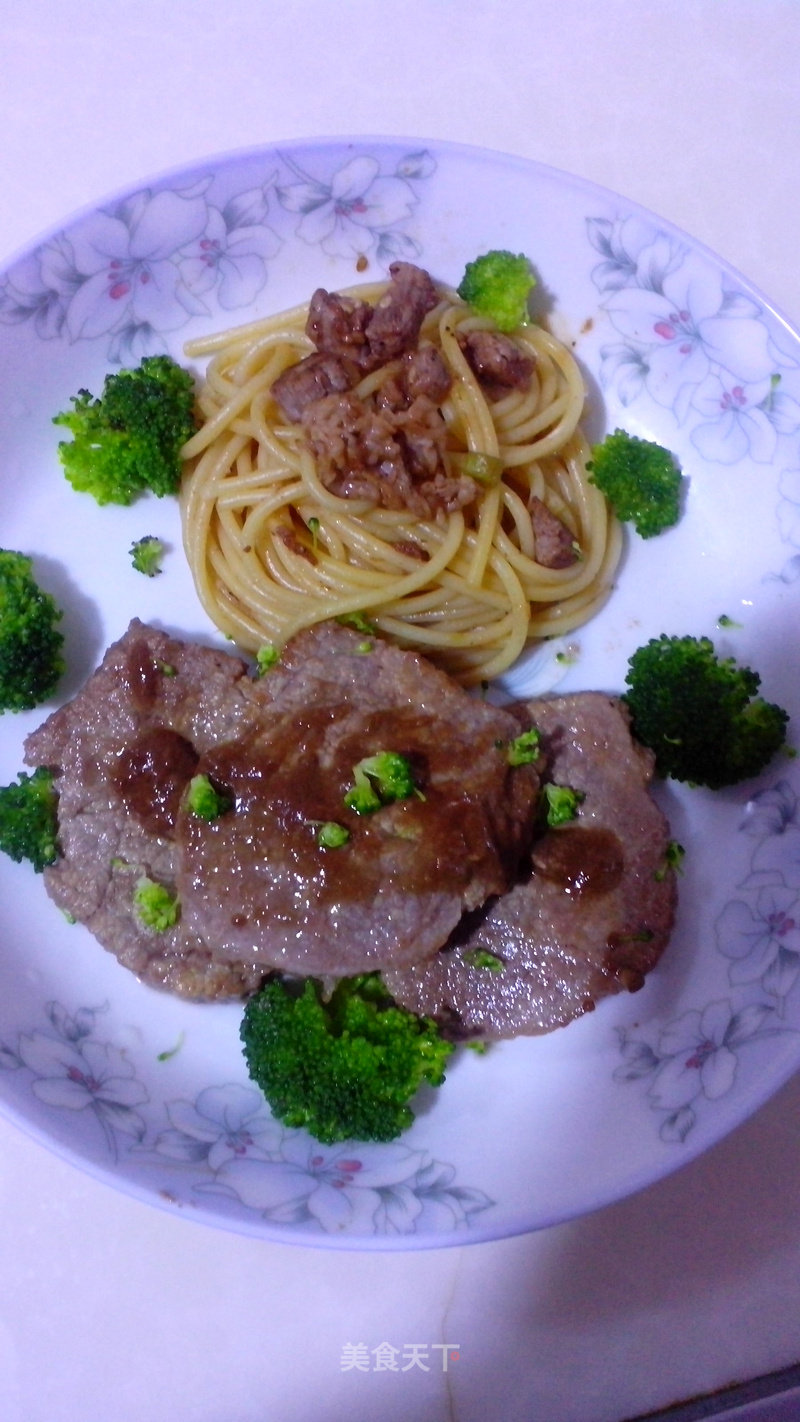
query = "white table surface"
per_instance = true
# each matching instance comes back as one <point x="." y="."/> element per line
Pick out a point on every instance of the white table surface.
<point x="112" y="1309"/>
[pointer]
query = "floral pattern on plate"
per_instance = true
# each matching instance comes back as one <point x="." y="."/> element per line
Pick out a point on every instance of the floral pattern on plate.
<point x="696" y="1056"/>
<point x="227" y="1144"/>
<point x="693" y="342"/>
<point x="142" y="267"/>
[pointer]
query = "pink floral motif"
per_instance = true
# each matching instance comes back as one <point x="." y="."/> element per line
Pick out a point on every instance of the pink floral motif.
<point x="692" y="342"/>
<point x="347" y="215"/>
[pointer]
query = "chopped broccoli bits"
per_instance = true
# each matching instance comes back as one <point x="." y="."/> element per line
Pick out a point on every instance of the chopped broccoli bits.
<point x="146" y="555"/>
<point x="380" y="779"/>
<point x="640" y="479"/>
<point x="129" y="439"/>
<point x="28" y="819"/>
<point x="205" y="800"/>
<point x="524" y="749"/>
<point x="332" y="835"/>
<point x="267" y="657"/>
<point x="155" y="905"/>
<point x="497" y="285"/>
<point x="699" y="713"/>
<point x="561" y="803"/>
<point x="344" y="1067"/>
<point x="31" y="661"/>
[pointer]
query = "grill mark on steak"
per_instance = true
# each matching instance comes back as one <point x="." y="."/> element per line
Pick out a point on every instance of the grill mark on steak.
<point x="566" y="937"/>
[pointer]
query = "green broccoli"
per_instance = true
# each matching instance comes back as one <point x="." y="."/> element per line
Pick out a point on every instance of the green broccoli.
<point x="156" y="906"/>
<point x="28" y="819"/>
<point x="561" y="803"/>
<point x="674" y="856"/>
<point x="332" y="835"/>
<point x="129" y="440"/>
<point x="358" y="621"/>
<point x="380" y="779"/>
<point x="146" y="554"/>
<point x="524" y="749"/>
<point x="344" y="1067"/>
<point x="482" y="958"/>
<point x="31" y="662"/>
<point x="699" y="714"/>
<point x="205" y="800"/>
<point x="640" y="479"/>
<point x="497" y="285"/>
<point x="267" y="657"/>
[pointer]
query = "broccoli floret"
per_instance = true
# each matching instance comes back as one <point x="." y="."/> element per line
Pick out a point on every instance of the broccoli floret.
<point x="129" y="439"/>
<point x="380" y="779"/>
<point x="358" y="621"/>
<point x="344" y="1068"/>
<point x="203" y="798"/>
<point x="640" y="479"/>
<point x="674" y="856"/>
<point x="146" y="554"/>
<point x="497" y="285"/>
<point x="332" y="835"/>
<point x="561" y="803"/>
<point x="482" y="958"/>
<point x="156" y="906"/>
<point x="28" y="819"/>
<point x="700" y="714"/>
<point x="524" y="749"/>
<point x="267" y="657"/>
<point x="31" y="662"/>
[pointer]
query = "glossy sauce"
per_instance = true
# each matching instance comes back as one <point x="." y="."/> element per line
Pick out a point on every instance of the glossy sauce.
<point x="151" y="775"/>
<point x="585" y="860"/>
<point x="263" y="858"/>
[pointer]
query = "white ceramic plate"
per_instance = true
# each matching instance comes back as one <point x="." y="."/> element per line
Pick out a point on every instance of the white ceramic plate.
<point x="151" y="1093"/>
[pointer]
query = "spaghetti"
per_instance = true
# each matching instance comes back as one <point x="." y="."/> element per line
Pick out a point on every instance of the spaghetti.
<point x="273" y="549"/>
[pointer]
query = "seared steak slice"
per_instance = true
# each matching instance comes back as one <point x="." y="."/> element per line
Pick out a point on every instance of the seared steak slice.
<point x="123" y="751"/>
<point x="256" y="889"/>
<point x="596" y="911"/>
<point x="258" y="882"/>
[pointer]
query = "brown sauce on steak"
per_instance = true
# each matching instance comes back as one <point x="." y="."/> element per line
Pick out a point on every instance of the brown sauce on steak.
<point x="151" y="775"/>
<point x="256" y="889"/>
<point x="258" y="878"/>
<point x="594" y="914"/>
<point x="584" y="860"/>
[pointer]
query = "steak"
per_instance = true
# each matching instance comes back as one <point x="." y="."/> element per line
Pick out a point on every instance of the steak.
<point x="256" y="889"/>
<point x="594" y="913"/>
<point x="123" y="751"/>
<point x="257" y="880"/>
